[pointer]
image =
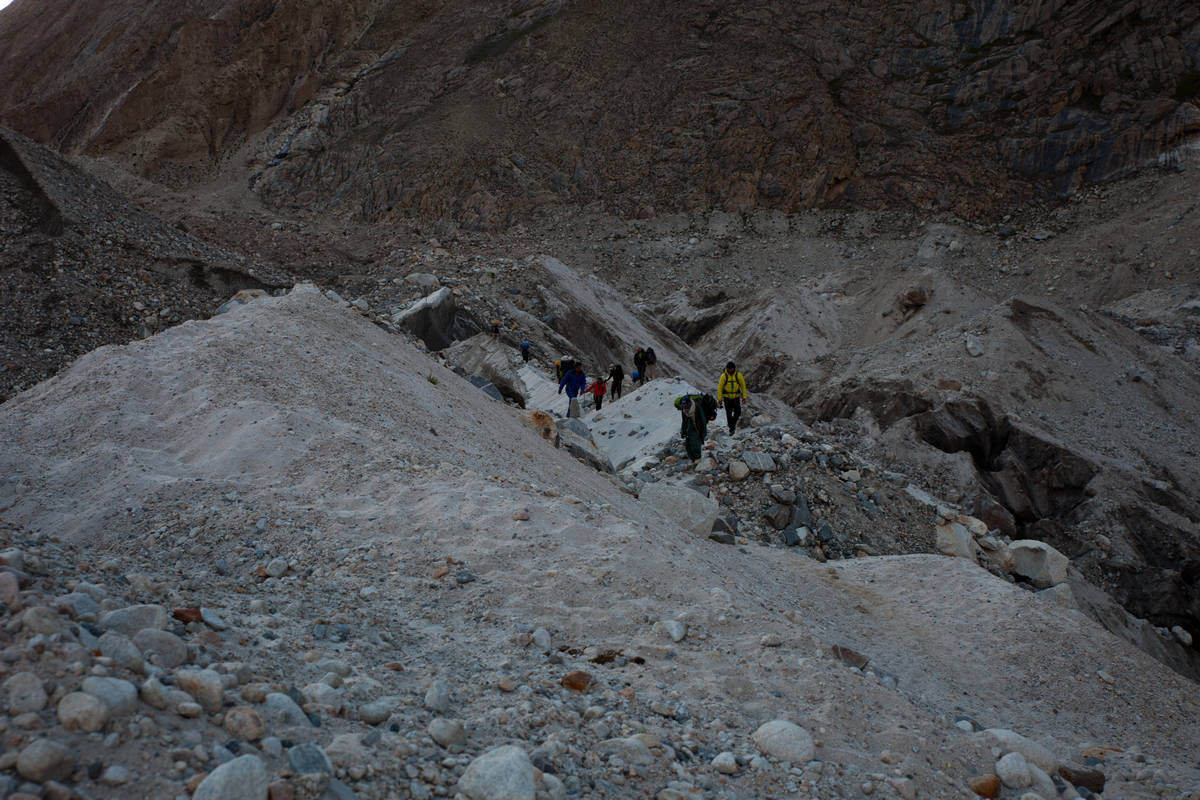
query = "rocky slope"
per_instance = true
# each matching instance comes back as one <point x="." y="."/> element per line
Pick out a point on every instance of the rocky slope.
<point x="352" y="574"/>
<point x="485" y="112"/>
<point x="80" y="266"/>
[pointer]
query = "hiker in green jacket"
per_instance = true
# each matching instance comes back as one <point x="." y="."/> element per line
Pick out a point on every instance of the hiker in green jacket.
<point x="693" y="426"/>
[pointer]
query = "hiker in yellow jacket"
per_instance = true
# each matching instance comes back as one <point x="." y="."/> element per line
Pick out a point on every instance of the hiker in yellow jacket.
<point x="731" y="392"/>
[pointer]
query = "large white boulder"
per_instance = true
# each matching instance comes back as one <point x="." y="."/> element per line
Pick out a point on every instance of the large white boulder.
<point x="687" y="507"/>
<point x="1039" y="562"/>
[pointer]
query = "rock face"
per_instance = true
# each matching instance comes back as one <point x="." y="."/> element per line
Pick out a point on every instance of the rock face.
<point x="974" y="101"/>
<point x="493" y="359"/>
<point x="436" y="320"/>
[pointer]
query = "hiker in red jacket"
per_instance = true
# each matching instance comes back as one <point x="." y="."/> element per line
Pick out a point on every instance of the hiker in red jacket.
<point x="597" y="390"/>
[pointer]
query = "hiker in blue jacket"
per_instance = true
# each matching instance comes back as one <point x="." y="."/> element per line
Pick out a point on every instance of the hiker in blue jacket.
<point x="574" y="382"/>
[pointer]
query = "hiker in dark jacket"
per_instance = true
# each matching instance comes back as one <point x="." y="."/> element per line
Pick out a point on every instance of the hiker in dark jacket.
<point x="616" y="374"/>
<point x="693" y="426"/>
<point x="651" y="360"/>
<point x="639" y="366"/>
<point x="574" y="382"/>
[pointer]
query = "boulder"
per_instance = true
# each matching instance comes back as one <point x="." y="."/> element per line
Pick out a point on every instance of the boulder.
<point x="1039" y="562"/>
<point x="785" y="741"/>
<point x="687" y="507"/>
<point x="778" y="516"/>
<point x="738" y="470"/>
<point x="953" y="539"/>
<point x="582" y="446"/>
<point x="492" y="359"/>
<point x="758" y="462"/>
<point x="120" y="696"/>
<point x="1013" y="742"/>
<point x="504" y="773"/>
<point x="244" y="778"/>
<point x="128" y="621"/>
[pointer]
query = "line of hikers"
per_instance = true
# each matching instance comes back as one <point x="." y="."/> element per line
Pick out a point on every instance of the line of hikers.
<point x="573" y="379"/>
<point x="696" y="411"/>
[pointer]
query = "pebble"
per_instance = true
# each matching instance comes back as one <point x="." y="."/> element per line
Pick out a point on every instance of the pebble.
<point x="437" y="697"/>
<point x="725" y="763"/>
<point x="577" y="680"/>
<point x="277" y="567"/>
<point x="377" y="711"/>
<point x="674" y="629"/>
<point x="541" y="639"/>
<point x="116" y="775"/>
<point x="988" y="786"/>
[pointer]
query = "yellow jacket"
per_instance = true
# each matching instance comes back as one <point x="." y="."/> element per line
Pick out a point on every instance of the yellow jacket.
<point x="731" y="386"/>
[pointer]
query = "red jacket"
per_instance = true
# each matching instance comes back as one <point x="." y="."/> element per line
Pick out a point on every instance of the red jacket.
<point x="598" y="388"/>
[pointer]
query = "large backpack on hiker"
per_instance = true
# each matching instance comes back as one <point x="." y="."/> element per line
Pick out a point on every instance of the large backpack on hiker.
<point x="708" y="404"/>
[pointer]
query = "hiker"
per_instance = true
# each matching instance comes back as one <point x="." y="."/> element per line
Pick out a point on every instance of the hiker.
<point x="562" y="367"/>
<point x="597" y="390"/>
<point x="639" y="366"/>
<point x="693" y="425"/>
<point x="573" y="382"/>
<point x="731" y="393"/>
<point x="496" y="328"/>
<point x="616" y="374"/>
<point x="525" y="348"/>
<point x="651" y="360"/>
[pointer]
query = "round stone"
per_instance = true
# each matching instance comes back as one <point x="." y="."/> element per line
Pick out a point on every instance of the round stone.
<point x="505" y="773"/>
<point x="244" y="778"/>
<point x="161" y="647"/>
<point x="122" y="651"/>
<point x="785" y="741"/>
<point x="725" y="763"/>
<point x="244" y="723"/>
<point x="447" y="732"/>
<point x="204" y="685"/>
<point x="42" y="619"/>
<point x="25" y="693"/>
<point x="1013" y="771"/>
<point x="82" y="711"/>
<point x="45" y="760"/>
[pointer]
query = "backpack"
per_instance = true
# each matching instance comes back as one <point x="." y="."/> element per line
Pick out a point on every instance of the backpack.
<point x="708" y="404"/>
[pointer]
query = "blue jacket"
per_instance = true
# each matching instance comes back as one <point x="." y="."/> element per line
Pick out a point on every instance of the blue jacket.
<point x="574" y="383"/>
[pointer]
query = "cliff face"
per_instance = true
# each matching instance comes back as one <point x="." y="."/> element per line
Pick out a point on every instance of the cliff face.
<point x="483" y="111"/>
